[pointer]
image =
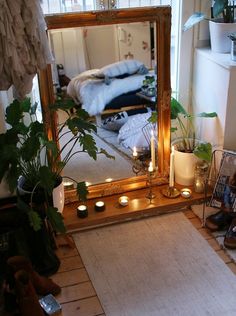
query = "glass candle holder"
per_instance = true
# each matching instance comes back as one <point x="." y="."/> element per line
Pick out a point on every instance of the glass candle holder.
<point x="186" y="193"/>
<point x="82" y="211"/>
<point x="123" y="200"/>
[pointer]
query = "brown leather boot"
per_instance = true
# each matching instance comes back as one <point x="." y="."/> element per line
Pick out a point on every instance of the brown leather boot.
<point x="42" y="285"/>
<point x="26" y="296"/>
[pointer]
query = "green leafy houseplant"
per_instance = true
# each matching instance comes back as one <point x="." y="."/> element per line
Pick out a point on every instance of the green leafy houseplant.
<point x="224" y="9"/>
<point x="26" y="150"/>
<point x="186" y="140"/>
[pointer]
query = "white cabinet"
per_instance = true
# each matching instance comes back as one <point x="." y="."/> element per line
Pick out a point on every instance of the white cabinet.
<point x="214" y="89"/>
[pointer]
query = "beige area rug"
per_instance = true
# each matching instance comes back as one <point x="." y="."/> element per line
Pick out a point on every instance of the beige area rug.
<point x="157" y="266"/>
<point x="219" y="235"/>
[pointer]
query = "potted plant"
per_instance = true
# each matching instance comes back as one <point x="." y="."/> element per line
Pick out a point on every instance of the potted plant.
<point x="187" y="148"/>
<point x="26" y="152"/>
<point x="221" y="24"/>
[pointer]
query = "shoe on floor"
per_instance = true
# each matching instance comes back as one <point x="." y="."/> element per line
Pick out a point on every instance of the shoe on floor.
<point x="230" y="236"/>
<point x="219" y="221"/>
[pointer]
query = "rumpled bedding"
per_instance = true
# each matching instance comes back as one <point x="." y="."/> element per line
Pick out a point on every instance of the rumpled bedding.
<point x="93" y="93"/>
<point x="24" y="46"/>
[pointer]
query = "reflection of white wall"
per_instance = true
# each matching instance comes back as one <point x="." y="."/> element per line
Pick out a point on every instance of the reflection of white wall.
<point x="134" y="40"/>
<point x="68" y="49"/>
<point x="101" y="46"/>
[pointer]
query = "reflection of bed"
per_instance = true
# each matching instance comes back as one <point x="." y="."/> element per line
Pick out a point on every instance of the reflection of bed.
<point x="109" y="89"/>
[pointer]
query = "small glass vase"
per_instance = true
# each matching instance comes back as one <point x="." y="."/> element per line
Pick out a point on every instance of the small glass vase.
<point x="200" y="176"/>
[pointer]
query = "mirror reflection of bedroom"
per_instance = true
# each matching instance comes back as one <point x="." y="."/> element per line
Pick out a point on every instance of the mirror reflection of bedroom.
<point x="110" y="72"/>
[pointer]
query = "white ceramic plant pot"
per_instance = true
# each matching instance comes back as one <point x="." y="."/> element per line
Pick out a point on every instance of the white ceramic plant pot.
<point x="58" y="197"/>
<point x="184" y="165"/>
<point x="220" y="42"/>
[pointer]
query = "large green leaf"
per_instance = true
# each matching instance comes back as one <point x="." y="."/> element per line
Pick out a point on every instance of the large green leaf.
<point x="82" y="191"/>
<point x="56" y="219"/>
<point x="89" y="145"/>
<point x="30" y="148"/>
<point x="14" y="113"/>
<point x="176" y="109"/>
<point x="36" y="128"/>
<point x="47" y="179"/>
<point x="203" y="151"/>
<point x="204" y="114"/>
<point x="25" y="105"/>
<point x="63" y="105"/>
<point x="78" y="125"/>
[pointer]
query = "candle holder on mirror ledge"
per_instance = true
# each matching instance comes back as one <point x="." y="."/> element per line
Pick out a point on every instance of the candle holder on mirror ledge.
<point x="151" y="175"/>
<point x="170" y="192"/>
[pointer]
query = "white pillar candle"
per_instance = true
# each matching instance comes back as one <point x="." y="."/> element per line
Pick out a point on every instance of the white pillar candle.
<point x="171" y="176"/>
<point x="150" y="168"/>
<point x="153" y="155"/>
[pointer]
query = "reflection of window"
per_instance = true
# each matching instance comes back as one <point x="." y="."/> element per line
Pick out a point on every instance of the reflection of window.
<point x="60" y="6"/>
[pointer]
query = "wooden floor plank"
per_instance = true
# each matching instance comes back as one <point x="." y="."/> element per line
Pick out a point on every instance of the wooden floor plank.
<point x="66" y="251"/>
<point x="70" y="263"/>
<point x="76" y="292"/>
<point x="70" y="277"/>
<point x="86" y="307"/>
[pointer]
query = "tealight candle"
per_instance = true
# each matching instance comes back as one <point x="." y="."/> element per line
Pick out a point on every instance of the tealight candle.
<point x="82" y="211"/>
<point x="99" y="206"/>
<point x="123" y="200"/>
<point x="186" y="193"/>
<point x="68" y="185"/>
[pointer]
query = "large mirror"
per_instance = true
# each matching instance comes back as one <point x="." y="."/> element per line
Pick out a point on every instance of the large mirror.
<point x="84" y="43"/>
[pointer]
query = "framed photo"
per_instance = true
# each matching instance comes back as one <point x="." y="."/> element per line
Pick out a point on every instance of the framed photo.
<point x="224" y="193"/>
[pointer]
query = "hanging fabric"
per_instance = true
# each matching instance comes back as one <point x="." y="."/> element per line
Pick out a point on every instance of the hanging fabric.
<point x="24" y="46"/>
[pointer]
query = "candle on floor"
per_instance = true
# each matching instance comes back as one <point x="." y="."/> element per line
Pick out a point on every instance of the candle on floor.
<point x="171" y="176"/>
<point x="153" y="155"/>
<point x="186" y="193"/>
<point x="82" y="211"/>
<point x="123" y="200"/>
<point x="100" y="206"/>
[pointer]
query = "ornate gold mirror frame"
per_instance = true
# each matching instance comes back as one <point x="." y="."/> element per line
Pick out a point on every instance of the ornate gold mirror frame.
<point x="162" y="18"/>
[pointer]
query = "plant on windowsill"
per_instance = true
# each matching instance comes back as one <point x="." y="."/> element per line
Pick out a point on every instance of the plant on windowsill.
<point x="221" y="24"/>
<point x="27" y="152"/>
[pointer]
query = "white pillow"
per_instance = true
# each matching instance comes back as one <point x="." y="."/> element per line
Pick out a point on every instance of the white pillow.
<point x="123" y="67"/>
<point x="131" y="133"/>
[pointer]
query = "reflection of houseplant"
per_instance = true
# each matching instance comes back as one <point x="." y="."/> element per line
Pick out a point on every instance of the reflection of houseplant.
<point x="221" y="24"/>
<point x="149" y="86"/>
